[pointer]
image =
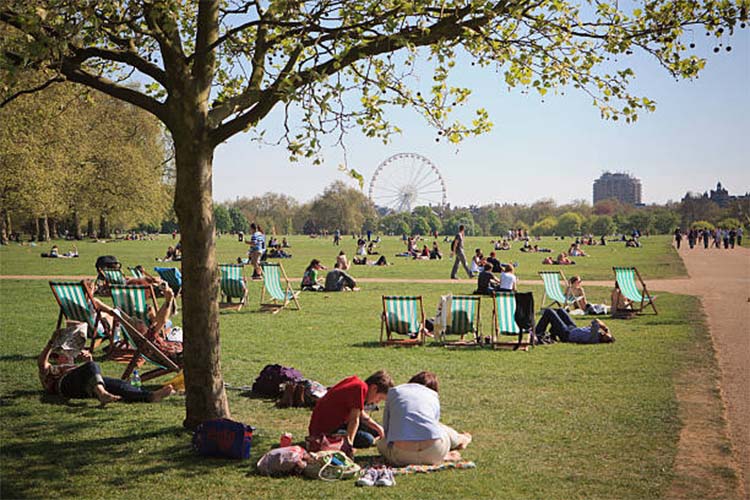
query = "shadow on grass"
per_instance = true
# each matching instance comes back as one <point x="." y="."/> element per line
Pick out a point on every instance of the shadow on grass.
<point x="18" y="357"/>
<point x="377" y="344"/>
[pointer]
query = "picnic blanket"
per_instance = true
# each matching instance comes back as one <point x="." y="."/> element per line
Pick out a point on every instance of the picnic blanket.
<point x="422" y="469"/>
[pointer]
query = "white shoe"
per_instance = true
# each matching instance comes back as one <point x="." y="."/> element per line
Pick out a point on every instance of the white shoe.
<point x="369" y="477"/>
<point x="385" y="478"/>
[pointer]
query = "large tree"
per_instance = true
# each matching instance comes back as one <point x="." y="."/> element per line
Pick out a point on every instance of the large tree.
<point x="217" y="68"/>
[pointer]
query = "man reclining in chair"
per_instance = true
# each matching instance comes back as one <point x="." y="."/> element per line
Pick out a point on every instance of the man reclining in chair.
<point x="564" y="329"/>
<point x="160" y="325"/>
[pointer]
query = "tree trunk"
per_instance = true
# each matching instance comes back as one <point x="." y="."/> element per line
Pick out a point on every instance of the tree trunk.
<point x="54" y="234"/>
<point x="42" y="228"/>
<point x="77" y="226"/>
<point x="3" y="227"/>
<point x="90" y="229"/>
<point x="206" y="398"/>
<point x="103" y="226"/>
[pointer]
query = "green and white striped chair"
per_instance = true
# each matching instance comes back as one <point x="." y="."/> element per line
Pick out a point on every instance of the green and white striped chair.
<point x="146" y="349"/>
<point x="464" y="320"/>
<point x="113" y="276"/>
<point x="137" y="272"/>
<point x="77" y="304"/>
<point x="233" y="285"/>
<point x="552" y="288"/>
<point x="626" y="280"/>
<point x="504" y="319"/>
<point x="403" y="315"/>
<point x="279" y="294"/>
<point x="133" y="300"/>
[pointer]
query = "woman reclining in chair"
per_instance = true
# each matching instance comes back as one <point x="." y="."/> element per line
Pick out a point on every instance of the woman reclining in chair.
<point x="70" y="381"/>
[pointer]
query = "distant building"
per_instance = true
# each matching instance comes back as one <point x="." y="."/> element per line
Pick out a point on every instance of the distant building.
<point x="720" y="196"/>
<point x="621" y="186"/>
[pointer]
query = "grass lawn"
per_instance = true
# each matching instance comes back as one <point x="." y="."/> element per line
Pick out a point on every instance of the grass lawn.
<point x="562" y="421"/>
<point x="656" y="259"/>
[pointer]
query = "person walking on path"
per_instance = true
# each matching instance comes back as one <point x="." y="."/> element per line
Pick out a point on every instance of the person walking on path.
<point x="706" y="237"/>
<point x="677" y="237"/>
<point x="458" y="251"/>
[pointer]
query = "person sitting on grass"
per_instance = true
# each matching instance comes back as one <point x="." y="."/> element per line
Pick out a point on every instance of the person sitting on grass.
<point x="72" y="381"/>
<point x="497" y="266"/>
<point x="310" y="280"/>
<point x="619" y="301"/>
<point x="342" y="410"/>
<point x="413" y="431"/>
<point x="487" y="283"/>
<point x="563" y="260"/>
<point x="435" y="253"/>
<point x="338" y="280"/>
<point x="564" y="329"/>
<point x="508" y="280"/>
<point x="342" y="262"/>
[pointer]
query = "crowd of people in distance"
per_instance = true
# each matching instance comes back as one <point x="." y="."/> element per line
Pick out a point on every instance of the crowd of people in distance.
<point x="711" y="238"/>
<point x="54" y="253"/>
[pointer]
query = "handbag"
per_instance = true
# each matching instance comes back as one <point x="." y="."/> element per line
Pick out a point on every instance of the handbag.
<point x="283" y="461"/>
<point x="336" y="442"/>
<point x="223" y="438"/>
<point x="331" y="465"/>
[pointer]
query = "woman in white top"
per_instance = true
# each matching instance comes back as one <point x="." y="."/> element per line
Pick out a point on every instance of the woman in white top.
<point x="476" y="262"/>
<point x="508" y="280"/>
<point x="411" y="422"/>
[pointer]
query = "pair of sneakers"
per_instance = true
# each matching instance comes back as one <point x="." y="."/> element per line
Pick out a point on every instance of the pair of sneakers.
<point x="374" y="476"/>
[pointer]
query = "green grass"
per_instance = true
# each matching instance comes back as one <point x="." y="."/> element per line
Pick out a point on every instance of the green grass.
<point x="656" y="259"/>
<point x="562" y="421"/>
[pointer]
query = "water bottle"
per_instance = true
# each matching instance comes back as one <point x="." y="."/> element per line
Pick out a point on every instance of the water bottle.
<point x="135" y="380"/>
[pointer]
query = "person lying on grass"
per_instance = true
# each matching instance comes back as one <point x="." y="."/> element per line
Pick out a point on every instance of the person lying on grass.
<point x="564" y="329"/>
<point x="413" y="432"/>
<point x="342" y="409"/>
<point x="71" y="381"/>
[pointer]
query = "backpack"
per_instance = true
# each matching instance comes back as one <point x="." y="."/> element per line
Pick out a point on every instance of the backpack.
<point x="283" y="461"/>
<point x="272" y="377"/>
<point x="223" y="438"/>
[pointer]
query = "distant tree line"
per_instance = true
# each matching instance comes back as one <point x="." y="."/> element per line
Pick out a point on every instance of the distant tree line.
<point x="348" y="209"/>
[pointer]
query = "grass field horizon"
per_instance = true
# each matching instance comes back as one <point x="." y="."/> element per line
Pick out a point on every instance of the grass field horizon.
<point x="562" y="421"/>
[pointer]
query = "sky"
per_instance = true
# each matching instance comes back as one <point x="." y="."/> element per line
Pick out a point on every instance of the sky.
<point x="541" y="148"/>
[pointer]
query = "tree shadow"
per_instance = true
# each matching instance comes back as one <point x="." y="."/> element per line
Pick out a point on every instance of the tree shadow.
<point x="18" y="357"/>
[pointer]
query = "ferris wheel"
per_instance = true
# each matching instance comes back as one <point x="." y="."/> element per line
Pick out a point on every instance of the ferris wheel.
<point x="406" y="181"/>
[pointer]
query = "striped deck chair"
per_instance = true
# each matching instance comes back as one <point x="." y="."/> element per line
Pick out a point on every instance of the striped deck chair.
<point x="137" y="272"/>
<point x="233" y="285"/>
<point x="464" y="320"/>
<point x="146" y="349"/>
<point x="552" y="288"/>
<point x="172" y="276"/>
<point x="626" y="280"/>
<point x="280" y="295"/>
<point x="133" y="300"/>
<point x="403" y="315"/>
<point x="504" y="319"/>
<point x="77" y="304"/>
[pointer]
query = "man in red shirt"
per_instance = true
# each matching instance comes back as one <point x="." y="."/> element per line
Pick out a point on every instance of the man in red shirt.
<point x="343" y="408"/>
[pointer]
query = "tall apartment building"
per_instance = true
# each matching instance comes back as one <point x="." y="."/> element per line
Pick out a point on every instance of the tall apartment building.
<point x="621" y="186"/>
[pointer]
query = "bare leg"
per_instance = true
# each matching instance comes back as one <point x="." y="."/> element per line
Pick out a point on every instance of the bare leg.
<point x="162" y="393"/>
<point x="103" y="396"/>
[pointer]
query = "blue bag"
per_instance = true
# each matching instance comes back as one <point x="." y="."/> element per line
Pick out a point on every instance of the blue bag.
<point x="223" y="438"/>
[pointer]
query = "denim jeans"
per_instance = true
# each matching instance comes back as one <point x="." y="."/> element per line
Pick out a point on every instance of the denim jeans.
<point x="364" y="438"/>
<point x="559" y="322"/>
<point x="80" y="383"/>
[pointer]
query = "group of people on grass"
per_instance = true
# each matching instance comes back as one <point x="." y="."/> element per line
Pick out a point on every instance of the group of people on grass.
<point x="336" y="280"/>
<point x="411" y="432"/>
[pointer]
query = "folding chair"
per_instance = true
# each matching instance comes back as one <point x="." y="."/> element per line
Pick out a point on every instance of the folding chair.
<point x="626" y="280"/>
<point x="504" y="319"/>
<point x="146" y="349"/>
<point x="403" y="315"/>
<point x="172" y="276"/>
<point x="233" y="285"/>
<point x="280" y="295"/>
<point x="77" y="304"/>
<point x="133" y="300"/>
<point x="136" y="272"/>
<point x="464" y="319"/>
<point x="552" y="288"/>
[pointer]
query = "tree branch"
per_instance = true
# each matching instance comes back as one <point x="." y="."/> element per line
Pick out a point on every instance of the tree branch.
<point x="207" y="33"/>
<point x="73" y="72"/>
<point x="43" y="86"/>
<point x="124" y="56"/>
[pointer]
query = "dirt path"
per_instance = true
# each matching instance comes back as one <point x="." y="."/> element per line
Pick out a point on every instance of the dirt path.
<point x="721" y="279"/>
